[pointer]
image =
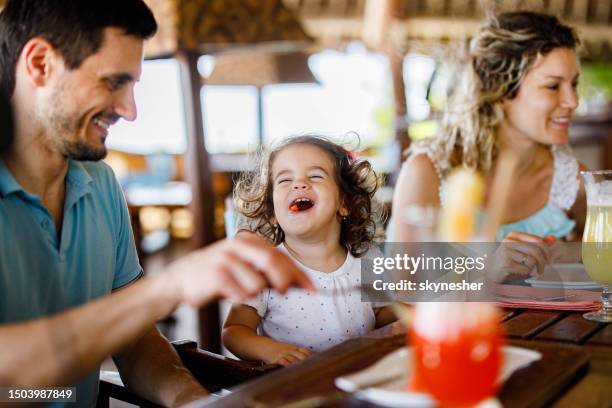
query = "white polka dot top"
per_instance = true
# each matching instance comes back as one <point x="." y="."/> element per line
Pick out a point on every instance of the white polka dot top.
<point x="317" y="321"/>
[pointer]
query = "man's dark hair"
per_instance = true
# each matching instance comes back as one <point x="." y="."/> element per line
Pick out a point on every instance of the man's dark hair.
<point x="6" y="124"/>
<point x="74" y="27"/>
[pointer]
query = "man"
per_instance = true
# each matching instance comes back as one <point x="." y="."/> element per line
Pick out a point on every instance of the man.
<point x="70" y="293"/>
<point x="6" y="124"/>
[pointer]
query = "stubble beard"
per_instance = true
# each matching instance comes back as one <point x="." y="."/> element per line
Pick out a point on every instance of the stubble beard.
<point x="62" y="131"/>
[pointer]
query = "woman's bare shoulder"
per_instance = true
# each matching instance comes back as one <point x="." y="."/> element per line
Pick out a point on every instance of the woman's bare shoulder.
<point x="420" y="163"/>
<point x="418" y="181"/>
<point x="419" y="169"/>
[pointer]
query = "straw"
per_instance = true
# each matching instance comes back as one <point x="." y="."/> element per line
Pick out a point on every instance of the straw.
<point x="402" y="312"/>
<point x="500" y="191"/>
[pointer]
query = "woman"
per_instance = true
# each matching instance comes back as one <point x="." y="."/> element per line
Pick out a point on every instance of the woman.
<point x="518" y="94"/>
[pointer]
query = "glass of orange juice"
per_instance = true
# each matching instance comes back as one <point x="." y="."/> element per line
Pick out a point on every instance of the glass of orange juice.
<point x="597" y="238"/>
<point x="457" y="351"/>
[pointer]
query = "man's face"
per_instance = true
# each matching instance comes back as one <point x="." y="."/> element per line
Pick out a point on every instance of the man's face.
<point x="82" y="104"/>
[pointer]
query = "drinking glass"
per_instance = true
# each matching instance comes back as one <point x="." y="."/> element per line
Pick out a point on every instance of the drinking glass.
<point x="419" y="224"/>
<point x="457" y="345"/>
<point x="457" y="351"/>
<point x="597" y="238"/>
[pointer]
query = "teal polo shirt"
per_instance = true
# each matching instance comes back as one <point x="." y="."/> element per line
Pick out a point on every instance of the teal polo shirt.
<point x="41" y="275"/>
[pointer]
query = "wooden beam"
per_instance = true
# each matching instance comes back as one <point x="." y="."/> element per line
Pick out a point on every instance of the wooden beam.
<point x="331" y="31"/>
<point x="426" y="28"/>
<point x="594" y="32"/>
<point x="580" y="11"/>
<point x="556" y="7"/>
<point x="460" y="8"/>
<point x="396" y="63"/>
<point x="434" y="7"/>
<point x="458" y="28"/>
<point x="376" y="21"/>
<point x="603" y="8"/>
<point x="395" y="51"/>
<point x="199" y="177"/>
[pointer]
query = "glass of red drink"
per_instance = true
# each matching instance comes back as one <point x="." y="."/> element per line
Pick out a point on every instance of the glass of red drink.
<point x="457" y="351"/>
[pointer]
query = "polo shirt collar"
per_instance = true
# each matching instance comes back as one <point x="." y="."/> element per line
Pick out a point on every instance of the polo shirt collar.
<point x="77" y="174"/>
<point x="78" y="178"/>
<point x="8" y="184"/>
<point x="78" y="182"/>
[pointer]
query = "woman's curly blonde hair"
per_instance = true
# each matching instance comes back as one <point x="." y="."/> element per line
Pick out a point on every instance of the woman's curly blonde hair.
<point x="501" y="54"/>
<point x="356" y="181"/>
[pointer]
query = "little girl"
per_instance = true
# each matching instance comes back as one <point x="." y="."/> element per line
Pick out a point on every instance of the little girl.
<point x="314" y="201"/>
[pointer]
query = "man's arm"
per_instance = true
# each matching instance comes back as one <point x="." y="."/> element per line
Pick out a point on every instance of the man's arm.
<point x="152" y="369"/>
<point x="65" y="347"/>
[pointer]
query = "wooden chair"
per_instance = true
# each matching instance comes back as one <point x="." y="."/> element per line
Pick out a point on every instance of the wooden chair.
<point x="213" y="371"/>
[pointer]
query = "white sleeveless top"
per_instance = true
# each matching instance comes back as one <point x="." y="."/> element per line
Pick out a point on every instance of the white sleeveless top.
<point x="551" y="219"/>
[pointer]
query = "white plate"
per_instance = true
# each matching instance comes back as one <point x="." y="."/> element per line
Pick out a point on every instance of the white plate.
<point x="564" y="276"/>
<point x="395" y="367"/>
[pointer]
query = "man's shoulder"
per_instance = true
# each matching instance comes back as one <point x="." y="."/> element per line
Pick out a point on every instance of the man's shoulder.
<point x="96" y="169"/>
<point x="99" y="172"/>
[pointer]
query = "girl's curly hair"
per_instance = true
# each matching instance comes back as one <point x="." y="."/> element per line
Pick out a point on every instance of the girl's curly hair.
<point x="356" y="181"/>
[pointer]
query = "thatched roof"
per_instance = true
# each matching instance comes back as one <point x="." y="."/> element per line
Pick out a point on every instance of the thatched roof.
<point x="204" y="25"/>
<point x="410" y="22"/>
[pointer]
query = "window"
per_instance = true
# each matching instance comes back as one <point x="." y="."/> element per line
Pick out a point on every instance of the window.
<point x="160" y="125"/>
<point x="418" y="72"/>
<point x="354" y="94"/>
<point x="230" y="118"/>
<point x="426" y="85"/>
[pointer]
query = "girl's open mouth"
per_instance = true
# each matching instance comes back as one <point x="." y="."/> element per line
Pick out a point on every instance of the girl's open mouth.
<point x="301" y="204"/>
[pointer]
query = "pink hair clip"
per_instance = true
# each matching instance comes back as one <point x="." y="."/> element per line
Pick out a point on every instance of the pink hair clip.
<point x="352" y="156"/>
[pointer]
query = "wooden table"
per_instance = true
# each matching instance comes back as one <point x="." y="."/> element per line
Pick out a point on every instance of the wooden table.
<point x="575" y="371"/>
<point x="569" y="330"/>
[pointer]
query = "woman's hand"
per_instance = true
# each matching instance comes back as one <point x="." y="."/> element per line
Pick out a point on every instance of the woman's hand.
<point x="285" y="354"/>
<point x="521" y="253"/>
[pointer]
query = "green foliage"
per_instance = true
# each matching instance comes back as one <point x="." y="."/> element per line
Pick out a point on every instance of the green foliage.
<point x="598" y="75"/>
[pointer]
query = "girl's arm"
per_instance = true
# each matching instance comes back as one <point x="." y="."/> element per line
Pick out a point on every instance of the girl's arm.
<point x="240" y="337"/>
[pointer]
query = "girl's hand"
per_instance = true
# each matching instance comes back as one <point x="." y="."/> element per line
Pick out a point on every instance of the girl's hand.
<point x="286" y="354"/>
<point x="521" y="253"/>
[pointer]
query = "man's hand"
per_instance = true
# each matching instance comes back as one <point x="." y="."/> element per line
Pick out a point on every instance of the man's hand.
<point x="234" y="269"/>
<point x="285" y="354"/>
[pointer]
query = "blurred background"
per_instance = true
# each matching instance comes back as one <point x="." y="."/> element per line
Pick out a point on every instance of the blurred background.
<point x="223" y="77"/>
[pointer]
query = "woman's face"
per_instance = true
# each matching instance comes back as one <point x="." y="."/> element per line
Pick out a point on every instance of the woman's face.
<point x="543" y="107"/>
